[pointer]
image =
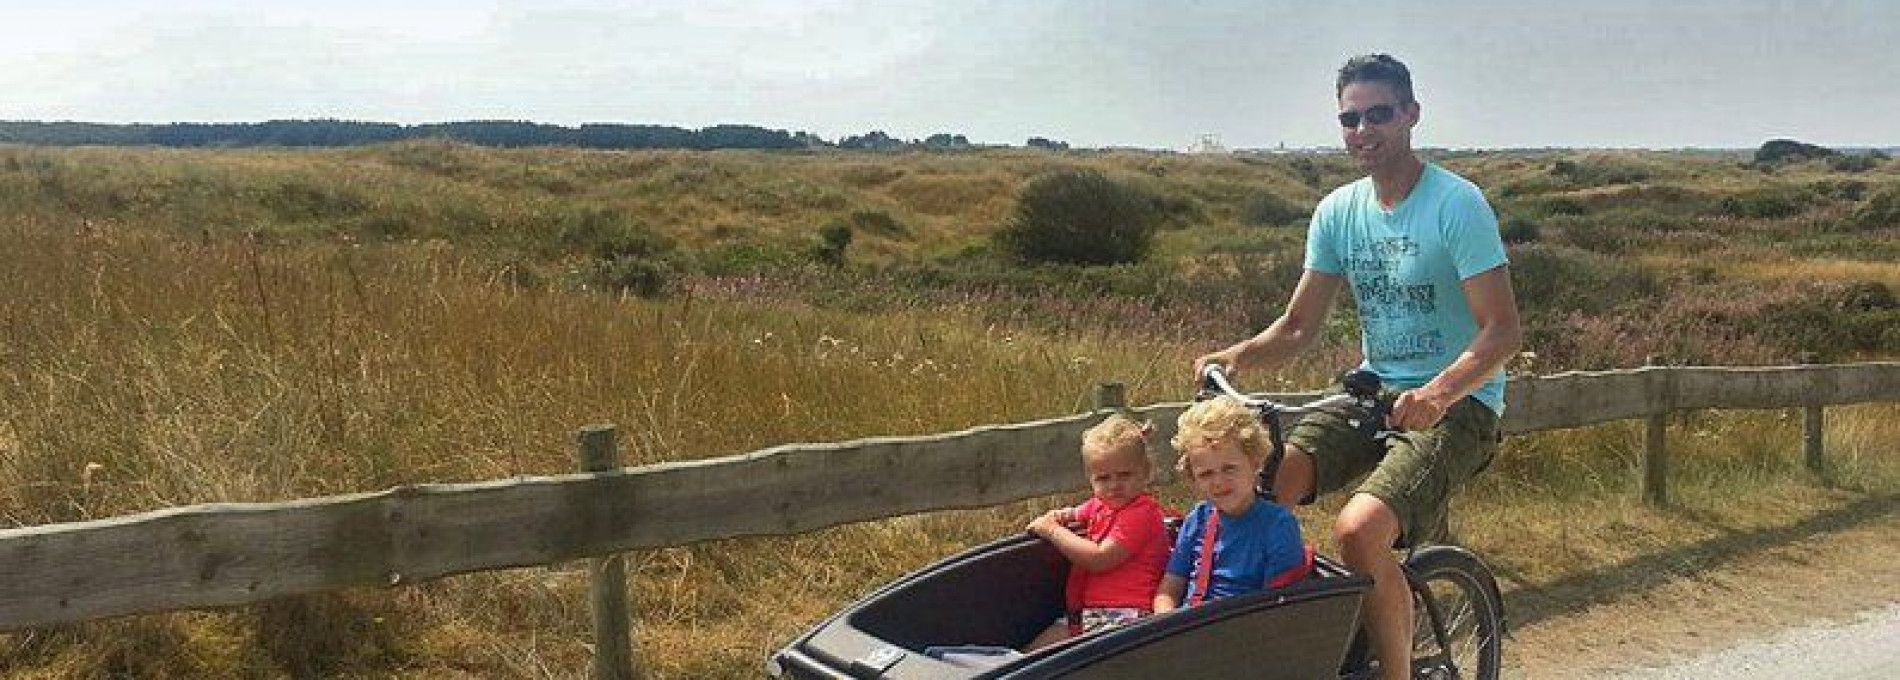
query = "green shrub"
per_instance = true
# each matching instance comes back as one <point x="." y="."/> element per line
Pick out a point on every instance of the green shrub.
<point x="1551" y="280"/>
<point x="1776" y="151"/>
<point x="1593" y="235"/>
<point x="1882" y="210"/>
<point x="1649" y="197"/>
<point x="1265" y="208"/>
<point x="1307" y="171"/>
<point x="1769" y="203"/>
<point x="303" y="199"/>
<point x="1839" y="189"/>
<point x="1876" y="331"/>
<point x="1867" y="296"/>
<point x="1558" y="205"/>
<point x="386" y="226"/>
<point x="1804" y="326"/>
<point x="645" y="276"/>
<point x="628" y="257"/>
<point x="1524" y="187"/>
<point x="1640" y="220"/>
<point x="1853" y="163"/>
<point x="1595" y="171"/>
<point x="607" y="234"/>
<point x="833" y="239"/>
<point x="1234" y="286"/>
<point x="1519" y="230"/>
<point x="1080" y="217"/>
<point x="1178" y="212"/>
<point x="877" y="222"/>
<point x="735" y="259"/>
<point x="1869" y="315"/>
<point x="984" y="273"/>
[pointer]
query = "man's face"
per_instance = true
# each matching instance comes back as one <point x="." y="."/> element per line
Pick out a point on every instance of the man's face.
<point x="1372" y="143"/>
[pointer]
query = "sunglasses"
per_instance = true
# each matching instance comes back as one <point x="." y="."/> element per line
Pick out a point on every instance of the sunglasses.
<point x="1375" y="115"/>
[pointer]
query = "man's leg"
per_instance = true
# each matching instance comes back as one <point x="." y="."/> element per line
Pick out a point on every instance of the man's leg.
<point x="1294" y="481"/>
<point x="1365" y="531"/>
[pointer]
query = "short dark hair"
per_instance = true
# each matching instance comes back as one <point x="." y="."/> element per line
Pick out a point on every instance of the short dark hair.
<point x="1376" y="68"/>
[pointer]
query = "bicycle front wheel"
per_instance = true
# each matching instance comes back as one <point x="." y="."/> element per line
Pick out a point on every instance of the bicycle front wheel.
<point x="1458" y="617"/>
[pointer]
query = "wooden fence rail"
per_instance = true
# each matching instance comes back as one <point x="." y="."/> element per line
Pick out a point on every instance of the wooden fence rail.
<point x="236" y="553"/>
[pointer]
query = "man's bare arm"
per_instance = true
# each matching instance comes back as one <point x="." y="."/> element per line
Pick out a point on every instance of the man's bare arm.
<point x="1494" y="308"/>
<point x="1297" y="328"/>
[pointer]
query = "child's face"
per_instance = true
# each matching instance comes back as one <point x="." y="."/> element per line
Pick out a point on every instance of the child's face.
<point x="1223" y="475"/>
<point x="1116" y="477"/>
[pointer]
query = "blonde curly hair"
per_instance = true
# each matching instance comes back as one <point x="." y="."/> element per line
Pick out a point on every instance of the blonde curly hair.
<point x="1117" y="434"/>
<point x="1216" y="419"/>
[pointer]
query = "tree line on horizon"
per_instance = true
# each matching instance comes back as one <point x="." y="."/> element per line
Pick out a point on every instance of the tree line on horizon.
<point x="499" y="133"/>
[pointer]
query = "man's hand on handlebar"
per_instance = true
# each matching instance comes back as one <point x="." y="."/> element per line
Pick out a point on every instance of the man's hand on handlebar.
<point x="1416" y="409"/>
<point x="1224" y="358"/>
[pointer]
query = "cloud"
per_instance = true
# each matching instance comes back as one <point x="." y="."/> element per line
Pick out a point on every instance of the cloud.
<point x="1096" y="72"/>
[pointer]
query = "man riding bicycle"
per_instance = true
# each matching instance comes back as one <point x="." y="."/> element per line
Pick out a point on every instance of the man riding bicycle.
<point x="1420" y="248"/>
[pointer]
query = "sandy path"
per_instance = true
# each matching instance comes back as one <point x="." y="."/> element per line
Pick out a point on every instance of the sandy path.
<point x="1822" y="577"/>
<point x="1865" y="648"/>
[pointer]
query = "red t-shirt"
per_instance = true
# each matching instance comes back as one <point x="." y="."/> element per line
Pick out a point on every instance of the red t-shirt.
<point x="1138" y="527"/>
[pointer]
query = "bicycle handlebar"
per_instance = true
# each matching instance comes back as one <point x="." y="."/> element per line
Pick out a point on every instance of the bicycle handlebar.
<point x="1361" y="386"/>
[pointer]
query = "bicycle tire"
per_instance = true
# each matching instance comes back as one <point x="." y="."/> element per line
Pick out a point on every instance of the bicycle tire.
<point x="1462" y="589"/>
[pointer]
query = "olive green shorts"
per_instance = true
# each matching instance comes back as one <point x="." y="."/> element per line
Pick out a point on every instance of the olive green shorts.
<point x="1415" y="473"/>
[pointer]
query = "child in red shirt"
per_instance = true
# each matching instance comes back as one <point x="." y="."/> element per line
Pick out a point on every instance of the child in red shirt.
<point x="1118" y="561"/>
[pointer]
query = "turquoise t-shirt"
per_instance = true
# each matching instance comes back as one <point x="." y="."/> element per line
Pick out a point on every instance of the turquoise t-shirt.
<point x="1405" y="267"/>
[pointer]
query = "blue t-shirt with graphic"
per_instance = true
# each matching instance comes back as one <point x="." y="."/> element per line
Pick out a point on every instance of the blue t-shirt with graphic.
<point x="1405" y="267"/>
<point x="1249" y="549"/>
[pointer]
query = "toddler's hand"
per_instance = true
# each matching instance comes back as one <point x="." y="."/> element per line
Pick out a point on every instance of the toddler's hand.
<point x="1047" y="523"/>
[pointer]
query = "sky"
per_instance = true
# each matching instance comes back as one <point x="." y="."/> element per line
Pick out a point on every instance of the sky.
<point x="1488" y="73"/>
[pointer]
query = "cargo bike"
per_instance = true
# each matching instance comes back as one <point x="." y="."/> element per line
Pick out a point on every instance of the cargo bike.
<point x="957" y="619"/>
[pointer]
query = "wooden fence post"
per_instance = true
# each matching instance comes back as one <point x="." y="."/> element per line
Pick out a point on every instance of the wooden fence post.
<point x="1111" y="395"/>
<point x="1655" y="452"/>
<point x="614" y="657"/>
<point x="1811" y="428"/>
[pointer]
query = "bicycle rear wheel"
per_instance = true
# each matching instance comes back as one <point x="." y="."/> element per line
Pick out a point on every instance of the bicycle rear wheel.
<point x="1458" y="617"/>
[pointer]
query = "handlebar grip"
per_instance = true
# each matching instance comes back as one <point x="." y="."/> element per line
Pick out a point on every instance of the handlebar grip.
<point x="1362" y="383"/>
<point x="1210" y="385"/>
<point x="1375" y="418"/>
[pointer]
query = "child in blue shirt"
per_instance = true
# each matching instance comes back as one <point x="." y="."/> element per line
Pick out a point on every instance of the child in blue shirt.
<point x="1233" y="541"/>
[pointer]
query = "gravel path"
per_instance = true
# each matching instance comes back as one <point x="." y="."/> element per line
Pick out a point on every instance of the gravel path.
<point x="1868" y="647"/>
<point x="1826" y="605"/>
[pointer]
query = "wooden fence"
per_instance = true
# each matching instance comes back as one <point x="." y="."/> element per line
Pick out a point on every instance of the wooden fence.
<point x="225" y="554"/>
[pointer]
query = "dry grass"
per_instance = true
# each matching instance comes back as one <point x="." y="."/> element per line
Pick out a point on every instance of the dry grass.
<point x="1562" y="508"/>
<point x="142" y="372"/>
<point x="1887" y="273"/>
<point x="154" y="356"/>
<point x="236" y="371"/>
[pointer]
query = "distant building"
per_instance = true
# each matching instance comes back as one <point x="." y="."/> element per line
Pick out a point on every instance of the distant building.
<point x="1208" y="143"/>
